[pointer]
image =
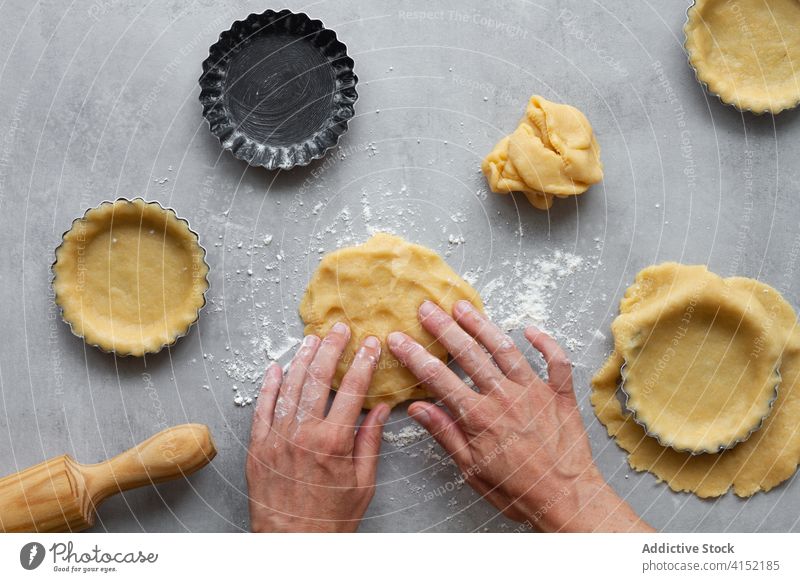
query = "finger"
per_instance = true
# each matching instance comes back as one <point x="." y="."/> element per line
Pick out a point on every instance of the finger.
<point x="501" y="347"/>
<point x="265" y="408"/>
<point x="286" y="405"/>
<point x="559" y="369"/>
<point x="317" y="386"/>
<point x="464" y="349"/>
<point x="444" y="429"/>
<point x="350" y="397"/>
<point x="433" y="373"/>
<point x="368" y="444"/>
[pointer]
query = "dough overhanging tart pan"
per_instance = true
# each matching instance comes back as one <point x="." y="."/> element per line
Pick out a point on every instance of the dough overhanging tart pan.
<point x="699" y="76"/>
<point x="696" y="362"/>
<point x="662" y="442"/>
<point x="278" y="89"/>
<point x="199" y="265"/>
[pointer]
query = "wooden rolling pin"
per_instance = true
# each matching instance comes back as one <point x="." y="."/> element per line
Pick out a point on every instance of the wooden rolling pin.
<point x="62" y="495"/>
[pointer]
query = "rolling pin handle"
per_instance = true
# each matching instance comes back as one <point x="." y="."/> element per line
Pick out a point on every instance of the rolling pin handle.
<point x="172" y="453"/>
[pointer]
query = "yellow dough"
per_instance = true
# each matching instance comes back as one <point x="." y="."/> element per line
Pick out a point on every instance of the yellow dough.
<point x="771" y="454"/>
<point x="747" y="51"/>
<point x="376" y="288"/>
<point x="553" y="152"/>
<point x="698" y="372"/>
<point x="130" y="277"/>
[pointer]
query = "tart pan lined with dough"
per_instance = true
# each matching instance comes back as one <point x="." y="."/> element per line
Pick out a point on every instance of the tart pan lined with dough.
<point x="130" y="277"/>
<point x="747" y="52"/>
<point x="698" y="375"/>
<point x="763" y="461"/>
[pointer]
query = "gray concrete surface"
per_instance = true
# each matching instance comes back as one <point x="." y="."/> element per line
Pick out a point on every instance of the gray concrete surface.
<point x="99" y="100"/>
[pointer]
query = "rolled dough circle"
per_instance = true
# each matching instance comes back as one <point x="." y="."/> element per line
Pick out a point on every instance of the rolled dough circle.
<point x="377" y="288"/>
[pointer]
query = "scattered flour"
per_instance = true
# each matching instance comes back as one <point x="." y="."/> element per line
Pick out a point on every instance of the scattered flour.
<point x="527" y="294"/>
<point x="408" y="435"/>
<point x="247" y="368"/>
<point x="241" y="399"/>
<point x="275" y="351"/>
<point x="271" y="274"/>
<point x="366" y="209"/>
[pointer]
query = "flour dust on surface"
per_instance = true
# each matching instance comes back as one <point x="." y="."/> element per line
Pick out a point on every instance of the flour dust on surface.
<point x="266" y="274"/>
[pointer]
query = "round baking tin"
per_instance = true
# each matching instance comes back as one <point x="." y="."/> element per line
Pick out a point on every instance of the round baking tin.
<point x="722" y="448"/>
<point x="199" y="244"/>
<point x="278" y="89"/>
<point x="707" y="89"/>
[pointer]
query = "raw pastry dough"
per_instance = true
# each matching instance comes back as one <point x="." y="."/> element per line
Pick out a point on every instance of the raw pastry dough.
<point x="376" y="288"/>
<point x="553" y="152"/>
<point x="747" y="51"/>
<point x="768" y="457"/>
<point x="130" y="277"/>
<point x="698" y="374"/>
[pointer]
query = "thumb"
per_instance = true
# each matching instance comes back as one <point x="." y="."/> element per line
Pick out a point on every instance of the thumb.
<point x="367" y="445"/>
<point x="444" y="429"/>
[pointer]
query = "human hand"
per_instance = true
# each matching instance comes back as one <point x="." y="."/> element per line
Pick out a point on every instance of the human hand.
<point x="307" y="471"/>
<point x="519" y="441"/>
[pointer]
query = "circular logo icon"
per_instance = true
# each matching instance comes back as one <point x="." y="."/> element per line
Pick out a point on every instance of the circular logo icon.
<point x="31" y="555"/>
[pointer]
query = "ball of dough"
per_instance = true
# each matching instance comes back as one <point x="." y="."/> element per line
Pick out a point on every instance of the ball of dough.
<point x="376" y="288"/>
<point x="553" y="152"/>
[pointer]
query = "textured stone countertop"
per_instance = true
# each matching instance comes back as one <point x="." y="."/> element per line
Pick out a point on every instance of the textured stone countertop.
<point x="100" y="100"/>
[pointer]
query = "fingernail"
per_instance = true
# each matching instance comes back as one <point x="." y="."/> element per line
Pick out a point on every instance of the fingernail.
<point x="462" y="307"/>
<point x="395" y="339"/>
<point x="310" y="341"/>
<point x="420" y="415"/>
<point x="426" y="308"/>
<point x="340" y="328"/>
<point x="383" y="415"/>
<point x="373" y="342"/>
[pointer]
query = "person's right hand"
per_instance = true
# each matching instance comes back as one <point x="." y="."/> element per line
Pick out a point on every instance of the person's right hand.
<point x="519" y="441"/>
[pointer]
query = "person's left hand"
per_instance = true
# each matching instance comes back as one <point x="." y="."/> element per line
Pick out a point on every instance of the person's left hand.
<point x="307" y="471"/>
